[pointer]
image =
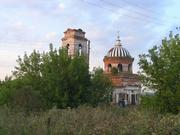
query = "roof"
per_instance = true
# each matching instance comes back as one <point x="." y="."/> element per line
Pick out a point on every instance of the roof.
<point x="118" y="50"/>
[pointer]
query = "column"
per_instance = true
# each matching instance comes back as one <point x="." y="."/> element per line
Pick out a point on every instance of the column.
<point x="117" y="97"/>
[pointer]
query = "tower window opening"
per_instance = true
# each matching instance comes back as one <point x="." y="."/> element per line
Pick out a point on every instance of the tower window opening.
<point x="67" y="47"/>
<point x="79" y="49"/>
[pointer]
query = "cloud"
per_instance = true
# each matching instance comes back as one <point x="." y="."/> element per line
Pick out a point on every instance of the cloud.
<point x="51" y="35"/>
<point x="61" y="6"/>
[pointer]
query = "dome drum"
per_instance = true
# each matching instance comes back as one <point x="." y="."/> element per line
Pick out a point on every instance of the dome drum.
<point x="118" y="60"/>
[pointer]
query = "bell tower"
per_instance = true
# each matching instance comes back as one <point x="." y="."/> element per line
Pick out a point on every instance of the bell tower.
<point x="76" y="43"/>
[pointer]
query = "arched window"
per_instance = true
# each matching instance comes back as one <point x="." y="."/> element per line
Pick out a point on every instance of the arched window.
<point x="67" y="47"/>
<point x="109" y="67"/>
<point x="119" y="68"/>
<point x="79" y="49"/>
<point x="130" y="67"/>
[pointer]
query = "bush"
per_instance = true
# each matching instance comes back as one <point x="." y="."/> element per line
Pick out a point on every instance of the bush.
<point x="149" y="102"/>
<point x="26" y="99"/>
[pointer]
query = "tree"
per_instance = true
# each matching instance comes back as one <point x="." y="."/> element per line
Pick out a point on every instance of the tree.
<point x="28" y="69"/>
<point x="160" y="72"/>
<point x="101" y="88"/>
<point x="57" y="79"/>
<point x="66" y="79"/>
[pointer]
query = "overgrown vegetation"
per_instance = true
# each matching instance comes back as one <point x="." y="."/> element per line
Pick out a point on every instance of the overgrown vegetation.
<point x="160" y="71"/>
<point x="54" y="79"/>
<point x="107" y="120"/>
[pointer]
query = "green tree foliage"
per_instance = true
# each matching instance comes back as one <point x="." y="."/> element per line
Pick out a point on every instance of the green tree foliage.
<point x="160" y="71"/>
<point x="6" y="90"/>
<point x="101" y="88"/>
<point x="66" y="79"/>
<point x="54" y="79"/>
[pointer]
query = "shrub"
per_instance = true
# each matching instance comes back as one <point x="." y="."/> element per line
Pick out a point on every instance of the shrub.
<point x="26" y="99"/>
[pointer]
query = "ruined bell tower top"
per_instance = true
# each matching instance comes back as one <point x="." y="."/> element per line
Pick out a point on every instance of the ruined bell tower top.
<point x="74" y="33"/>
<point x="76" y="43"/>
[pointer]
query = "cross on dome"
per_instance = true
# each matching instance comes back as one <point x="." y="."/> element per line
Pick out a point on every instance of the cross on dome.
<point x="118" y="50"/>
<point x="118" y="41"/>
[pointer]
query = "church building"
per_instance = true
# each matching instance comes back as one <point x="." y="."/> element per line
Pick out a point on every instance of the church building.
<point x="118" y="67"/>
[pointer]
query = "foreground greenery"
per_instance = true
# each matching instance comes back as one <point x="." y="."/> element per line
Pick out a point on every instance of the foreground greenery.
<point x="160" y="71"/>
<point x="54" y="79"/>
<point x="107" y="120"/>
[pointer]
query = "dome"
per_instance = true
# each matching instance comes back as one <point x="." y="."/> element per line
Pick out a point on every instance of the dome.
<point x="118" y="50"/>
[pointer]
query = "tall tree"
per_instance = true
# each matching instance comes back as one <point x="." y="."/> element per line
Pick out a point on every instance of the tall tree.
<point x="160" y="70"/>
<point x="101" y="88"/>
<point x="66" y="79"/>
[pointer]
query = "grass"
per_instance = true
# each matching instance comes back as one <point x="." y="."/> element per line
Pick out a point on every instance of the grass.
<point x="106" y="120"/>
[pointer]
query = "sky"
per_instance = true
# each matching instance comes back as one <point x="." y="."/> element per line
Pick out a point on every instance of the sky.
<point x="26" y="25"/>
